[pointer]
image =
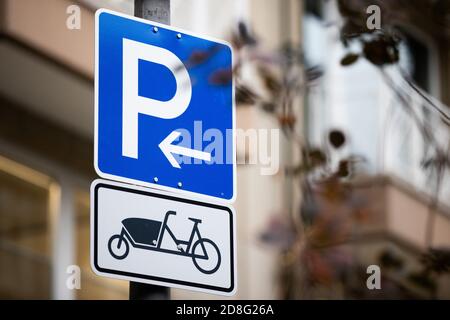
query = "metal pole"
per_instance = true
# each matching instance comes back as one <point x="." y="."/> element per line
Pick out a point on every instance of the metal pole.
<point x="154" y="10"/>
<point x="159" y="11"/>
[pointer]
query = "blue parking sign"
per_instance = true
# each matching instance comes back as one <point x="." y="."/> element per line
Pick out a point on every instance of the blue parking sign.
<point x="164" y="109"/>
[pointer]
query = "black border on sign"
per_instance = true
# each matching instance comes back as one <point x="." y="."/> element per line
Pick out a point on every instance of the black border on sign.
<point x="162" y="196"/>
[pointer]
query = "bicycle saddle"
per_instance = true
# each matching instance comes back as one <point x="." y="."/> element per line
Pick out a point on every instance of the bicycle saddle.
<point x="195" y="220"/>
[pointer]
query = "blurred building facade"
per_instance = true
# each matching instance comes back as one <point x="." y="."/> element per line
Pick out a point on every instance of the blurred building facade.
<point x="46" y="145"/>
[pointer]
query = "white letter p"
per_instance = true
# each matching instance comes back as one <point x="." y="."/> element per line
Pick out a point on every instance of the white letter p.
<point x="133" y="104"/>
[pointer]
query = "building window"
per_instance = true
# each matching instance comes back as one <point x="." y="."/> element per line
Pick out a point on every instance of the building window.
<point x="416" y="60"/>
<point x="25" y="232"/>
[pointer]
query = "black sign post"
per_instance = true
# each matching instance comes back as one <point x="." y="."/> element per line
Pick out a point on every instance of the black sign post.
<point x="159" y="11"/>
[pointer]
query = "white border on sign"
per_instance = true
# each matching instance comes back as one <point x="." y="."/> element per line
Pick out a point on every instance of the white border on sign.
<point x="155" y="282"/>
<point x="139" y="182"/>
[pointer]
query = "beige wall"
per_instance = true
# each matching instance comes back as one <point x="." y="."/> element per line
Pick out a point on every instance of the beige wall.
<point x="406" y="217"/>
<point x="42" y="25"/>
<point x="409" y="217"/>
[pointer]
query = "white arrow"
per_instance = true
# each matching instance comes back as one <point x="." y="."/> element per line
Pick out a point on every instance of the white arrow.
<point x="169" y="149"/>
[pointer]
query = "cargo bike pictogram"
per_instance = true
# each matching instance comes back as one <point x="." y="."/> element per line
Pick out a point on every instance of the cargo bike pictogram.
<point x="148" y="235"/>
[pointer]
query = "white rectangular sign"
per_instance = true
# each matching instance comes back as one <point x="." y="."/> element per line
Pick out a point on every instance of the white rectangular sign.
<point x="144" y="235"/>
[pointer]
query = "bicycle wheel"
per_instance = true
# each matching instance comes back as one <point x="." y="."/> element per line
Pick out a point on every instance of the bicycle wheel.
<point x="205" y="247"/>
<point x="118" y="249"/>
